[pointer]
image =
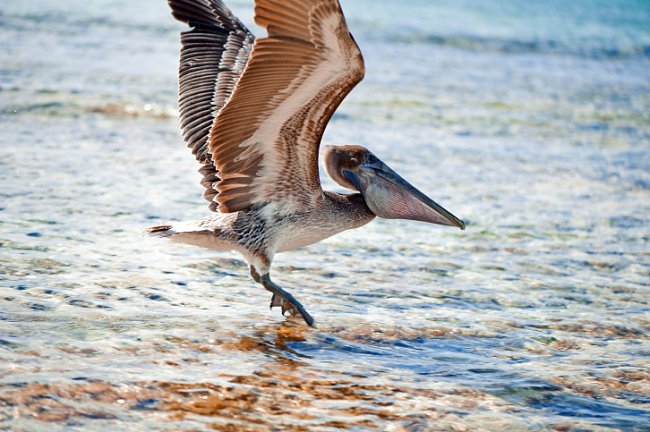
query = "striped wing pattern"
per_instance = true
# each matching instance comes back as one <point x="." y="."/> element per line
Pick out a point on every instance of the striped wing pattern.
<point x="265" y="140"/>
<point x="214" y="54"/>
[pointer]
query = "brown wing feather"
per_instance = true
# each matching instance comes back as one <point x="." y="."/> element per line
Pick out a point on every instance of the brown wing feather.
<point x="265" y="140"/>
<point x="213" y="56"/>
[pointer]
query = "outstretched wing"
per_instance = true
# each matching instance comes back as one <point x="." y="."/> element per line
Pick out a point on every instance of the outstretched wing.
<point x="213" y="56"/>
<point x="265" y="140"/>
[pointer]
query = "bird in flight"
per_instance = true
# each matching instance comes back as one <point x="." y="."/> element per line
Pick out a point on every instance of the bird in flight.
<point x="253" y="111"/>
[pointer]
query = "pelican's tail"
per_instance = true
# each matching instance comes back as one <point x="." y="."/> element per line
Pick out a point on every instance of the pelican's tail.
<point x="161" y="231"/>
<point x="211" y="233"/>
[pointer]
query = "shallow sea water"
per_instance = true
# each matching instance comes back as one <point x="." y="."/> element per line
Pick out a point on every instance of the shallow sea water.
<point x="529" y="120"/>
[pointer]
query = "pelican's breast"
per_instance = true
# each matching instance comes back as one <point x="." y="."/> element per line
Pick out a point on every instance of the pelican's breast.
<point x="334" y="214"/>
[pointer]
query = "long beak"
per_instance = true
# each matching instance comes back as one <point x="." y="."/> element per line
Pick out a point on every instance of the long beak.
<point x="391" y="197"/>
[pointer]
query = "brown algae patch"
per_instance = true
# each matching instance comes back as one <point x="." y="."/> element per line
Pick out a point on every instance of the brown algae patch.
<point x="397" y="333"/>
<point x="269" y="338"/>
<point x="598" y="329"/>
<point x="609" y="386"/>
<point x="282" y="397"/>
<point x="266" y="400"/>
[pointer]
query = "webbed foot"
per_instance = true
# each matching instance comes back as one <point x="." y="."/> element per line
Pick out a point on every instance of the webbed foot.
<point x="287" y="306"/>
<point x="286" y="301"/>
<point x="282" y="298"/>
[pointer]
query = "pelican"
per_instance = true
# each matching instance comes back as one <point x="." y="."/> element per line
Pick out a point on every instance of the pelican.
<point x="253" y="111"/>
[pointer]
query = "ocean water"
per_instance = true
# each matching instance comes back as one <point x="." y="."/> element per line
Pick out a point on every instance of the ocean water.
<point x="530" y="120"/>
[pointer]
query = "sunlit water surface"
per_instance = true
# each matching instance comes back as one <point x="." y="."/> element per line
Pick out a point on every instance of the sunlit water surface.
<point x="528" y="119"/>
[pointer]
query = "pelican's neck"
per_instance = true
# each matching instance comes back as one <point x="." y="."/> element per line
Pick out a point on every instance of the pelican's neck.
<point x="349" y="210"/>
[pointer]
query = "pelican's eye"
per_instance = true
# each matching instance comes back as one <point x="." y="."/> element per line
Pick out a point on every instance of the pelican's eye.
<point x="370" y="158"/>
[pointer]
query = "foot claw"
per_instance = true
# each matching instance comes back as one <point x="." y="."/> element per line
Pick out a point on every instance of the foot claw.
<point x="276" y="301"/>
<point x="288" y="307"/>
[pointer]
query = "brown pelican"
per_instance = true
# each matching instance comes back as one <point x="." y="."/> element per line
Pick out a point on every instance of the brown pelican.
<point x="253" y="111"/>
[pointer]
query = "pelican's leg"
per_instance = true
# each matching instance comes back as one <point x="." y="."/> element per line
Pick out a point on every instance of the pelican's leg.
<point x="282" y="298"/>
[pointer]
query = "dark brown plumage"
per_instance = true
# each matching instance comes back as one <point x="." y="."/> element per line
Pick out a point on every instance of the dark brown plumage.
<point x="213" y="56"/>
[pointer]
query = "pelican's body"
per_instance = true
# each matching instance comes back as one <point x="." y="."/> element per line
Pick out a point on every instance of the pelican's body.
<point x="260" y="233"/>
<point x="254" y="111"/>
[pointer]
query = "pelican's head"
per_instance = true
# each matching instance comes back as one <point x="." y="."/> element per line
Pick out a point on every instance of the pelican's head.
<point x="386" y="194"/>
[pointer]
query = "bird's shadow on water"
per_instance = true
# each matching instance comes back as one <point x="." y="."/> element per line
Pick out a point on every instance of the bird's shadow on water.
<point x="471" y="363"/>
